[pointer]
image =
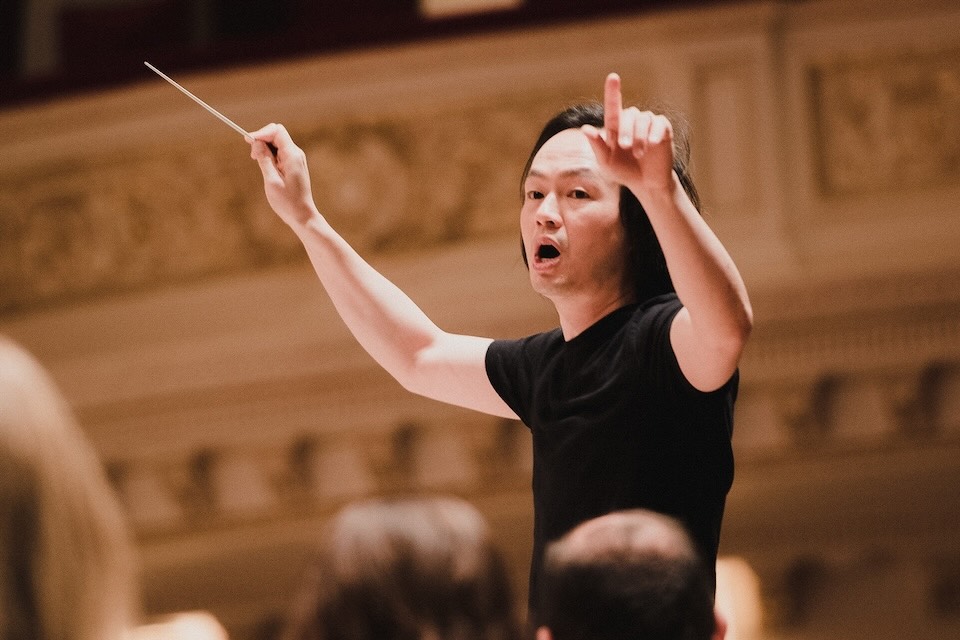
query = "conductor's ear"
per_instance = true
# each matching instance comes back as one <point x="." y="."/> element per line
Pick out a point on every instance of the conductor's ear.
<point x="543" y="633"/>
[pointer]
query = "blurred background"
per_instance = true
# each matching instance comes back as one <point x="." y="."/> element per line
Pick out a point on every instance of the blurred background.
<point x="140" y="262"/>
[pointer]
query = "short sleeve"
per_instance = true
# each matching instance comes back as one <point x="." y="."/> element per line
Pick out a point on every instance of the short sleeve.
<point x="509" y="373"/>
<point x="653" y="347"/>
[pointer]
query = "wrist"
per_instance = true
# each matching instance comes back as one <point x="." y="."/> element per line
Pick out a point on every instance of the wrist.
<point x="304" y="218"/>
<point x="656" y="195"/>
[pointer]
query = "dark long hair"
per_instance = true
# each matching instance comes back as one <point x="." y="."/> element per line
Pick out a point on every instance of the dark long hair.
<point x="645" y="261"/>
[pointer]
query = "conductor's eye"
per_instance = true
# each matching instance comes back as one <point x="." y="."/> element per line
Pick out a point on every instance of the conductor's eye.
<point x="580" y="194"/>
<point x="534" y="195"/>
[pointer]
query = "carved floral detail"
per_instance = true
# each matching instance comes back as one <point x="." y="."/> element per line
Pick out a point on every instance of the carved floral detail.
<point x="887" y="124"/>
<point x="86" y="227"/>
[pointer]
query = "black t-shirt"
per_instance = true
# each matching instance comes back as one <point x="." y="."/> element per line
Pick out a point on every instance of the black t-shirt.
<point x="616" y="426"/>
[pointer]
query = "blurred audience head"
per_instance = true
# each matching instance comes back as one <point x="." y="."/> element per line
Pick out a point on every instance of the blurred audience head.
<point x="627" y="575"/>
<point x="406" y="569"/>
<point x="66" y="561"/>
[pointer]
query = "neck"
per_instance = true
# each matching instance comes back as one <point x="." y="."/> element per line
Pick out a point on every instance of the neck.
<point x="579" y="314"/>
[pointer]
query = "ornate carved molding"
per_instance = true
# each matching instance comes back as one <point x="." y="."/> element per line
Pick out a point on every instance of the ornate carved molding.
<point x="83" y="225"/>
<point x="887" y="123"/>
<point x="229" y="487"/>
<point x="310" y="471"/>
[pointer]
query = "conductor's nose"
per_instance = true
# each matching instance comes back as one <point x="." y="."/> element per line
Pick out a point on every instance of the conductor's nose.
<point x="548" y="213"/>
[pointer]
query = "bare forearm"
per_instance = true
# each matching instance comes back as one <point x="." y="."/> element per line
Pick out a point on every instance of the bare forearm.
<point x="384" y="320"/>
<point x="706" y="279"/>
<point x="394" y="331"/>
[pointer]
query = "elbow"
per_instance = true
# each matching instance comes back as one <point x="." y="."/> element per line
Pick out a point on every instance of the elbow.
<point x="745" y="324"/>
<point x="409" y="383"/>
<point x="726" y="354"/>
<point x="412" y="371"/>
<point x="740" y="330"/>
<point x="730" y="325"/>
<point x="732" y="339"/>
<point x="405" y="373"/>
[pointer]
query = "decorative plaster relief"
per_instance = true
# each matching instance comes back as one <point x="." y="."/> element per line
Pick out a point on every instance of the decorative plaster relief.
<point x="330" y="471"/>
<point x="727" y="124"/>
<point x="946" y="399"/>
<point x="764" y="421"/>
<point x="242" y="485"/>
<point x="101" y="225"/>
<point x="445" y="461"/>
<point x="226" y="486"/>
<point x="859" y="411"/>
<point x="895" y="338"/>
<point x="146" y="495"/>
<point x="887" y="124"/>
<point x="800" y="409"/>
<point x="95" y="225"/>
<point x="943" y="595"/>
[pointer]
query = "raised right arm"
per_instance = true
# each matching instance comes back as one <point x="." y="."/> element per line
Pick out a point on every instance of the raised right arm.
<point x="385" y="321"/>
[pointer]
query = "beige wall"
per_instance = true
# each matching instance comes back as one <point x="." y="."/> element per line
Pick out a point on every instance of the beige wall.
<point x="140" y="262"/>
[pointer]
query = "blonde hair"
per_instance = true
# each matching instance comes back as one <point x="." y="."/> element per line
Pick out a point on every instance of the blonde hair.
<point x="66" y="558"/>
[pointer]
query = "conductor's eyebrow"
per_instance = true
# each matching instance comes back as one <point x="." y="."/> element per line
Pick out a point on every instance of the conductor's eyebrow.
<point x="572" y="171"/>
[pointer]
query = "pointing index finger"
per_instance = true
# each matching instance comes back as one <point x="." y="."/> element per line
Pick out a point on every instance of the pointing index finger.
<point x="612" y="106"/>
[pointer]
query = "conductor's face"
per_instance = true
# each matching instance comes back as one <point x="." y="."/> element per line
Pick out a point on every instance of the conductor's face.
<point x="570" y="222"/>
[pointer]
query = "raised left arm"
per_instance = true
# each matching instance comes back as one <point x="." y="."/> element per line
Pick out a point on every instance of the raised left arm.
<point x="710" y="331"/>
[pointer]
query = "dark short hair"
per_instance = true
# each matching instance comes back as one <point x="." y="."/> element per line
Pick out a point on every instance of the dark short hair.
<point x="626" y="576"/>
<point x="645" y="261"/>
<point x="406" y="569"/>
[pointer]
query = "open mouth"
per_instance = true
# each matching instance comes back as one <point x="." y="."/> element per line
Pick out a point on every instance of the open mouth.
<point x="547" y="252"/>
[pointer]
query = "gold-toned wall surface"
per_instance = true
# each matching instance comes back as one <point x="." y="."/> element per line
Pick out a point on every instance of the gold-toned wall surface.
<point x="140" y="262"/>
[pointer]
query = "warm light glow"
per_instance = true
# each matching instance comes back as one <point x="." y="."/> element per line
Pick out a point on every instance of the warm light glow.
<point x="187" y="625"/>
<point x="450" y="8"/>
<point x="738" y="598"/>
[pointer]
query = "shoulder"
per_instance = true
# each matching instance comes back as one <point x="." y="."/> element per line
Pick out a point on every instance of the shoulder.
<point x="505" y="356"/>
<point x="535" y="343"/>
<point x="655" y="315"/>
<point x="666" y="302"/>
